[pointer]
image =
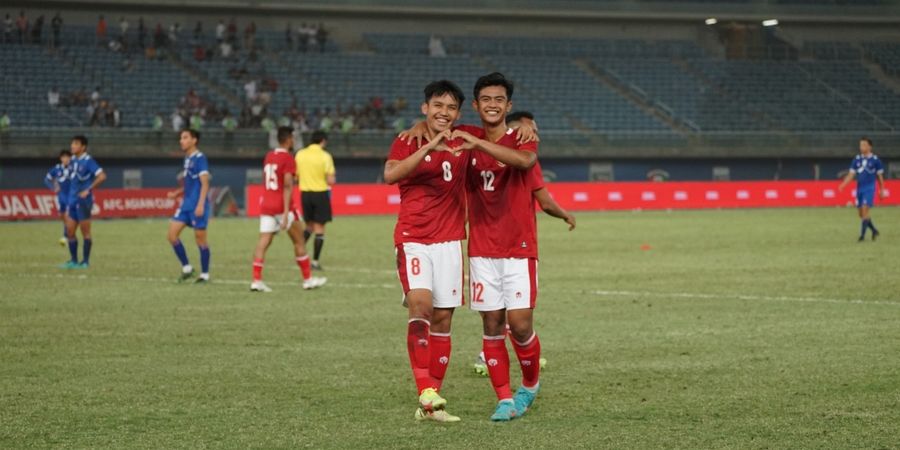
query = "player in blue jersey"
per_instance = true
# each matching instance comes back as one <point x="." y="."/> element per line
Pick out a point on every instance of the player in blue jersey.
<point x="868" y="171"/>
<point x="57" y="180"/>
<point x="84" y="176"/>
<point x="194" y="210"/>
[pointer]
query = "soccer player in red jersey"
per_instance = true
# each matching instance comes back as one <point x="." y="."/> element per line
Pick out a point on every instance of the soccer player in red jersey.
<point x="503" y="246"/>
<point x="427" y="239"/>
<point x="276" y="212"/>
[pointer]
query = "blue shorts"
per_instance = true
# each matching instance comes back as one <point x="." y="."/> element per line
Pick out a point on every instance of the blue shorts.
<point x="80" y="209"/>
<point x="865" y="198"/>
<point x="189" y="219"/>
<point x="62" y="201"/>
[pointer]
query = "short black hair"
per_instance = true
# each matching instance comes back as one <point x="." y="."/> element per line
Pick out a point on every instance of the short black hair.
<point x="442" y="87"/>
<point x="65" y="152"/>
<point x="81" y="138"/>
<point x="867" y="140"/>
<point x="284" y="133"/>
<point x="318" y="137"/>
<point x="194" y="133"/>
<point x="519" y="115"/>
<point x="494" y="79"/>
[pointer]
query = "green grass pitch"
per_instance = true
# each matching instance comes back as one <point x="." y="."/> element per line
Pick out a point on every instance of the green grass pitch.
<point x="698" y="329"/>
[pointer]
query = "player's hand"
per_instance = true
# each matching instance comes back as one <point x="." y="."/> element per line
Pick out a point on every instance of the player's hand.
<point x="56" y="190"/>
<point x="417" y="133"/>
<point x="84" y="193"/>
<point x="470" y="141"/>
<point x="284" y="221"/>
<point x="438" y="144"/>
<point x="199" y="211"/>
<point x="881" y="194"/>
<point x="527" y="133"/>
<point x="570" y="219"/>
<point x="841" y="188"/>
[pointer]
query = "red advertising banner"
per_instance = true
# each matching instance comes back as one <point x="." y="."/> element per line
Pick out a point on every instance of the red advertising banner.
<point x="348" y="199"/>
<point x="41" y="204"/>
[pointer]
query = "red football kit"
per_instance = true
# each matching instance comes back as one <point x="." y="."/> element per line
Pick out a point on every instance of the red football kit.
<point x="279" y="163"/>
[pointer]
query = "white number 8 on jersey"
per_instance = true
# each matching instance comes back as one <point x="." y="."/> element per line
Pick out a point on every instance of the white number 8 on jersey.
<point x="448" y="175"/>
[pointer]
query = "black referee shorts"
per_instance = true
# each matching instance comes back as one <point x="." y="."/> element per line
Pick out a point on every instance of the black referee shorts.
<point x="316" y="206"/>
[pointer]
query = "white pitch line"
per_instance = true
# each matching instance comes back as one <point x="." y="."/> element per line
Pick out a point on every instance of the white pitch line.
<point x="742" y="297"/>
<point x="86" y="277"/>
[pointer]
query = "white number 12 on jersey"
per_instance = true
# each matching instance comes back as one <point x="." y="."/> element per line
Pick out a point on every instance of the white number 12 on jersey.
<point x="488" y="177"/>
<point x="271" y="177"/>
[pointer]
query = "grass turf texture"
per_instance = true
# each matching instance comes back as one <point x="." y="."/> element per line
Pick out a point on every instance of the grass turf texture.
<point x="742" y="329"/>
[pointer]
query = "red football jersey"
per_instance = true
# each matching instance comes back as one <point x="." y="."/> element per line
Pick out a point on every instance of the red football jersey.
<point x="279" y="163"/>
<point x="502" y="222"/>
<point x="432" y="197"/>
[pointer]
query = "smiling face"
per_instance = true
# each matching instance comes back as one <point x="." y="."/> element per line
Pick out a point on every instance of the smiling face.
<point x="492" y="105"/>
<point x="440" y="112"/>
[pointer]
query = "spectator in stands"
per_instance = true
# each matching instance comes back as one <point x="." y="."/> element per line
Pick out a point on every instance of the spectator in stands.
<point x="311" y="33"/>
<point x="288" y="37"/>
<point x="116" y="45"/>
<point x="123" y="28"/>
<point x="7" y="29"/>
<point x="177" y="120"/>
<point x="199" y="53"/>
<point x="229" y="123"/>
<point x="22" y="26"/>
<point x="220" y="31"/>
<point x="250" y="90"/>
<point x="231" y="32"/>
<point x="197" y="122"/>
<point x="5" y="123"/>
<point x="101" y="30"/>
<point x="113" y="116"/>
<point x="436" y="47"/>
<point x="95" y="96"/>
<point x="226" y="50"/>
<point x="157" y="123"/>
<point x="127" y="64"/>
<point x="142" y="33"/>
<point x="37" y="31"/>
<point x="159" y="36"/>
<point x="78" y="98"/>
<point x="174" y="31"/>
<point x="302" y="37"/>
<point x="321" y="37"/>
<point x="198" y="32"/>
<point x="250" y="38"/>
<point x="53" y="97"/>
<point x="56" y="24"/>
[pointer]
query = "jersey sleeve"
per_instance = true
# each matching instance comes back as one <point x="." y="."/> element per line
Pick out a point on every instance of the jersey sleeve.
<point x="329" y="164"/>
<point x="535" y="177"/>
<point x="400" y="150"/>
<point x="93" y="167"/>
<point x="48" y="179"/>
<point x="528" y="146"/>
<point x="879" y="167"/>
<point x="853" y="164"/>
<point x="202" y="165"/>
<point x="290" y="165"/>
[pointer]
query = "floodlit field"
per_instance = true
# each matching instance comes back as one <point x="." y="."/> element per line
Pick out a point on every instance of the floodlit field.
<point x="741" y="329"/>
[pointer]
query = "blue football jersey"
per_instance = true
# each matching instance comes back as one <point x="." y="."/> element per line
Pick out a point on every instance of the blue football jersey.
<point x="194" y="166"/>
<point x="866" y="170"/>
<point x="83" y="172"/>
<point x="59" y="174"/>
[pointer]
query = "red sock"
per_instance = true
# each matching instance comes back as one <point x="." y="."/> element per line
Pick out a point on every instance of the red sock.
<point x="257" y="269"/>
<point x="417" y="343"/>
<point x="303" y="262"/>
<point x="498" y="365"/>
<point x="440" y="357"/>
<point x="529" y="354"/>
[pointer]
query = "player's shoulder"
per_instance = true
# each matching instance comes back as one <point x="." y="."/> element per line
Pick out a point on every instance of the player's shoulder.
<point x="471" y="129"/>
<point x="402" y="147"/>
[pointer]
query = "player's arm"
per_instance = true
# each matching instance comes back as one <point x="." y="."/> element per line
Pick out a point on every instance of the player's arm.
<point x="527" y="133"/>
<point x="417" y="132"/>
<point x="330" y="173"/>
<point x="50" y="182"/>
<point x="176" y="193"/>
<point x="881" y="185"/>
<point x="204" y="191"/>
<point x="515" y="158"/>
<point x="396" y="170"/>
<point x="549" y="206"/>
<point x="847" y="179"/>
<point x="288" y="190"/>
<point x="99" y="178"/>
